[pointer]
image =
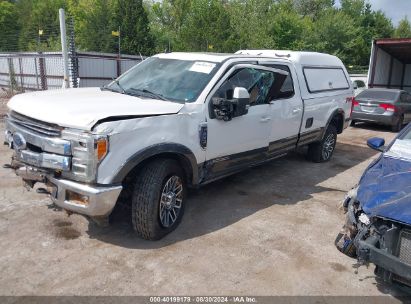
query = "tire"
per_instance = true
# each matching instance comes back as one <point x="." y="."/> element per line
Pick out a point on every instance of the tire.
<point x="353" y="122"/>
<point x="149" y="201"/>
<point x="322" y="151"/>
<point x="398" y="126"/>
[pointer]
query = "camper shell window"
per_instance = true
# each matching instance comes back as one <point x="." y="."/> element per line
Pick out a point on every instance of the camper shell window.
<point x="323" y="79"/>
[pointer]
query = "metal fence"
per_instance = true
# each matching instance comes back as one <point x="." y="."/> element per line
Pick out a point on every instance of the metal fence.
<point x="22" y="72"/>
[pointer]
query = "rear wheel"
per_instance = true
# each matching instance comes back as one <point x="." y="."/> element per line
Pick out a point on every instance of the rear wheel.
<point x="158" y="199"/>
<point x="398" y="126"/>
<point x="322" y="151"/>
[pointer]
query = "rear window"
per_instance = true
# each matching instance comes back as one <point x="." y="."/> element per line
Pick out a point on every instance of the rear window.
<point x="325" y="79"/>
<point x="377" y="94"/>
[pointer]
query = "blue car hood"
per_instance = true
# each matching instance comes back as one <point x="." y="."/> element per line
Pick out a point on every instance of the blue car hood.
<point x="385" y="189"/>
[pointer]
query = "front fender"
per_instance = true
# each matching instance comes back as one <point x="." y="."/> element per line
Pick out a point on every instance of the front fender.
<point x="181" y="151"/>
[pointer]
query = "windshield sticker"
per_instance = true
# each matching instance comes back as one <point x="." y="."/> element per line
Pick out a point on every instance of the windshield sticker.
<point x="400" y="149"/>
<point x="202" y="67"/>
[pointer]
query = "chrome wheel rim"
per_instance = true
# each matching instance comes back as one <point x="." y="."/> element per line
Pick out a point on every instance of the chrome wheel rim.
<point x="328" y="146"/>
<point x="171" y="201"/>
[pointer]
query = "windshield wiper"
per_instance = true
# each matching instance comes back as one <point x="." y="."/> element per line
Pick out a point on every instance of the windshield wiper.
<point x="147" y="92"/>
<point x="119" y="85"/>
<point x="106" y="87"/>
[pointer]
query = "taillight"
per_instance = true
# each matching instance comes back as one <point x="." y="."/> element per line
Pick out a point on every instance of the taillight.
<point x="388" y="107"/>
<point x="353" y="104"/>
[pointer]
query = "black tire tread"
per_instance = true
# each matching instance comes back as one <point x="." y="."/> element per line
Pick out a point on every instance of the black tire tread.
<point x="398" y="126"/>
<point x="145" y="197"/>
<point x="315" y="149"/>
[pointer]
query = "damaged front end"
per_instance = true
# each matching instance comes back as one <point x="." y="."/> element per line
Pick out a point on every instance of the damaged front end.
<point x="64" y="161"/>
<point x="377" y="240"/>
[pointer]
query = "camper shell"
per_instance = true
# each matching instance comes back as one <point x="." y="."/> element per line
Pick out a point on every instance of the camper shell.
<point x="322" y="74"/>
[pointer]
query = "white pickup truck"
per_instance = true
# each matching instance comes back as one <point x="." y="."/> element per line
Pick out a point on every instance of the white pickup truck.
<point x="174" y="121"/>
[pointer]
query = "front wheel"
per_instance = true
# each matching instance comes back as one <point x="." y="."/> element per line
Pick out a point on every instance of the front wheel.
<point x="322" y="151"/>
<point x="158" y="199"/>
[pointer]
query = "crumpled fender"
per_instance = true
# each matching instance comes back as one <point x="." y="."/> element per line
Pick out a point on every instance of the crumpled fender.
<point x="385" y="189"/>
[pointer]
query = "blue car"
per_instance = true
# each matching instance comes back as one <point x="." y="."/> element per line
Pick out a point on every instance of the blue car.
<point x="378" y="224"/>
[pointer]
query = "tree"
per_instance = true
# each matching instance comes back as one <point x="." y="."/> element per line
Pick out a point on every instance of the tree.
<point x="93" y="24"/>
<point x="250" y="21"/>
<point x="9" y="28"/>
<point x="207" y="27"/>
<point x="335" y="33"/>
<point x="382" y="26"/>
<point x="167" y="18"/>
<point x="313" y="8"/>
<point x="40" y="27"/>
<point x="288" y="29"/>
<point x="132" y="19"/>
<point x="404" y="29"/>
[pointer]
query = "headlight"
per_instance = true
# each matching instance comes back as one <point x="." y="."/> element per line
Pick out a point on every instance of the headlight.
<point x="363" y="218"/>
<point x="88" y="151"/>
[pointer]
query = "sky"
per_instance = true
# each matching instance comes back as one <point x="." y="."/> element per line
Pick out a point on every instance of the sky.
<point x="394" y="9"/>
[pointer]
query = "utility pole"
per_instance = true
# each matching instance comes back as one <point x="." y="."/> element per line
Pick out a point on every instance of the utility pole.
<point x="66" y="83"/>
<point x="119" y="43"/>
<point x="73" y="60"/>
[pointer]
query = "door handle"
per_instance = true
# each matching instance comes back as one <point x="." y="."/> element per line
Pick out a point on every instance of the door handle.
<point x="296" y="110"/>
<point x="265" y="119"/>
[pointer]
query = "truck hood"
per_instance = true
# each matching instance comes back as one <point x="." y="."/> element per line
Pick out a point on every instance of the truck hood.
<point x="83" y="108"/>
<point x="385" y="190"/>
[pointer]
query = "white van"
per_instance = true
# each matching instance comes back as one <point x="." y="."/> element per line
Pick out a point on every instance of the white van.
<point x="174" y="121"/>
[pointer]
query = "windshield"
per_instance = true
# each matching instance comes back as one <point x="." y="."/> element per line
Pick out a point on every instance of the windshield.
<point x="166" y="79"/>
<point x="378" y="94"/>
<point x="401" y="148"/>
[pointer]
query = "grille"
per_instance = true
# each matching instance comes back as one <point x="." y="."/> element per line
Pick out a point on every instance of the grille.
<point x="37" y="126"/>
<point x="404" y="254"/>
<point x="405" y="247"/>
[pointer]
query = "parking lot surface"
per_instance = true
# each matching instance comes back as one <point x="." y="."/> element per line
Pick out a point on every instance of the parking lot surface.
<point x="267" y="231"/>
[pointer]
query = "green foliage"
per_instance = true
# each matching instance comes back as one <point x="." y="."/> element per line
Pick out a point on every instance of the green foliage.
<point x="288" y="29"/>
<point x="93" y="24"/>
<point x="9" y="28"/>
<point x="214" y="22"/>
<point x="404" y="29"/>
<point x="154" y="26"/>
<point x="250" y="21"/>
<point x="313" y="8"/>
<point x="39" y="15"/>
<point x="132" y="19"/>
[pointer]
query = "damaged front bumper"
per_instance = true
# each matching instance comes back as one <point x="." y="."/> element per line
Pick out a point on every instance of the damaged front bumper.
<point x="396" y="268"/>
<point x="92" y="200"/>
<point x="380" y="241"/>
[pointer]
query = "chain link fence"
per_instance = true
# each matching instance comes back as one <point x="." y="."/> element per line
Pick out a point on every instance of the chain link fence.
<point x="24" y="72"/>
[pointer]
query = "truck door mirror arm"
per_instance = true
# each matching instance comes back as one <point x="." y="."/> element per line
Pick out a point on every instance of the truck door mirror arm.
<point x="226" y="109"/>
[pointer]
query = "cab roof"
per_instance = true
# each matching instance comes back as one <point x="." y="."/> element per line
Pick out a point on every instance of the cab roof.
<point x="302" y="58"/>
<point x="213" y="57"/>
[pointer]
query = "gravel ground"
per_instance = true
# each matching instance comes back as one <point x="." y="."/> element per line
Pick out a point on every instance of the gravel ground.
<point x="3" y="106"/>
<point x="266" y="231"/>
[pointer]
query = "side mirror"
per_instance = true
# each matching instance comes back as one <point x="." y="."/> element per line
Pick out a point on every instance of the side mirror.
<point x="376" y="143"/>
<point x="241" y="101"/>
<point x="227" y="109"/>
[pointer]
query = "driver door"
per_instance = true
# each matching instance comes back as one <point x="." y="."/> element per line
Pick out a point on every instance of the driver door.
<point x="243" y="141"/>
